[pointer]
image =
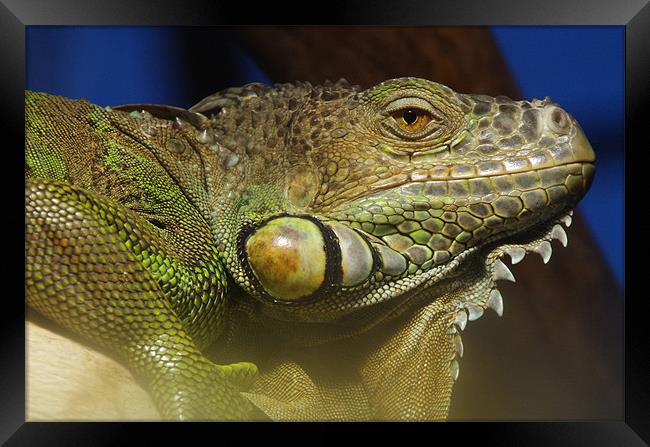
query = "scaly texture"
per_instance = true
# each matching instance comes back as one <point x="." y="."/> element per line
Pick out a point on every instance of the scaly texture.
<point x="360" y="230"/>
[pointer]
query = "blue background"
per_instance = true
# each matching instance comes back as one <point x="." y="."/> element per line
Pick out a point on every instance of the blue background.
<point x="581" y="68"/>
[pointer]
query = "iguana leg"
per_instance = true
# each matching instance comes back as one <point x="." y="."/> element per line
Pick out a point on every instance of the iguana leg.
<point x="81" y="274"/>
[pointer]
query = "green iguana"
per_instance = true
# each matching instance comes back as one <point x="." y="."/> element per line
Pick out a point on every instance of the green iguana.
<point x="339" y="238"/>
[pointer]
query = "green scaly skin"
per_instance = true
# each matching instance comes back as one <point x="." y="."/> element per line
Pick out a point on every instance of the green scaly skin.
<point x="296" y="221"/>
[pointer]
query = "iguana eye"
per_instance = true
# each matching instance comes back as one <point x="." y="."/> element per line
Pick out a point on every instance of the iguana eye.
<point x="412" y="119"/>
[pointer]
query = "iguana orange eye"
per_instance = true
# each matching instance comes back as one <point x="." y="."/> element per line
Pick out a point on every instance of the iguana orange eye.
<point x="412" y="119"/>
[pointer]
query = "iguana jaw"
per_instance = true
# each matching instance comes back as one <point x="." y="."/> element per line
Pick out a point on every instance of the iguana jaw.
<point x="400" y="357"/>
<point x="417" y="245"/>
<point x="402" y="366"/>
<point x="362" y="305"/>
<point x="516" y="245"/>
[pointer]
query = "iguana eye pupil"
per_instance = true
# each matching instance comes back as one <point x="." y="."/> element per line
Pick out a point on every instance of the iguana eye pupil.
<point x="410" y="116"/>
<point x="412" y="119"/>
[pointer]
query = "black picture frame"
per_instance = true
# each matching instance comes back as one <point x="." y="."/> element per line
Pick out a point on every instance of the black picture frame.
<point x="634" y="15"/>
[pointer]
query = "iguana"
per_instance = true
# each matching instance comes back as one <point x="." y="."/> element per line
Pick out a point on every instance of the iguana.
<point x="338" y="237"/>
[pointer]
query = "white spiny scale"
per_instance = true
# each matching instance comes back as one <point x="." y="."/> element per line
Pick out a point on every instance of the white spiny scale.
<point x="455" y="369"/>
<point x="566" y="220"/>
<point x="501" y="272"/>
<point x="559" y="234"/>
<point x="458" y="345"/>
<point x="461" y="319"/>
<point x="570" y="212"/>
<point x="203" y="136"/>
<point x="231" y="160"/>
<point x="516" y="254"/>
<point x="545" y="250"/>
<point x="474" y="311"/>
<point x="495" y="302"/>
<point x="178" y="123"/>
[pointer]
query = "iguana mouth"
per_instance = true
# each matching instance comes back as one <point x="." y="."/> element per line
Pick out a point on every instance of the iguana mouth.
<point x="516" y="244"/>
<point x="417" y="229"/>
<point x="427" y="230"/>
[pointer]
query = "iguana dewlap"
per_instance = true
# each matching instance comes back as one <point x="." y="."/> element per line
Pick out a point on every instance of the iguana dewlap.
<point x="337" y="238"/>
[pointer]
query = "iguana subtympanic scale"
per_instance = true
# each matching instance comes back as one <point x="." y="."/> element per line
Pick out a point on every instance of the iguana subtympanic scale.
<point x="339" y="237"/>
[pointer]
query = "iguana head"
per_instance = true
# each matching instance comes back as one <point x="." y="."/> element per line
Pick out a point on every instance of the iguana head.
<point x="354" y="208"/>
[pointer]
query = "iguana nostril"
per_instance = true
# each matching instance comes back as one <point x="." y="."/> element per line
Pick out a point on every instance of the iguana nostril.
<point x="558" y="120"/>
